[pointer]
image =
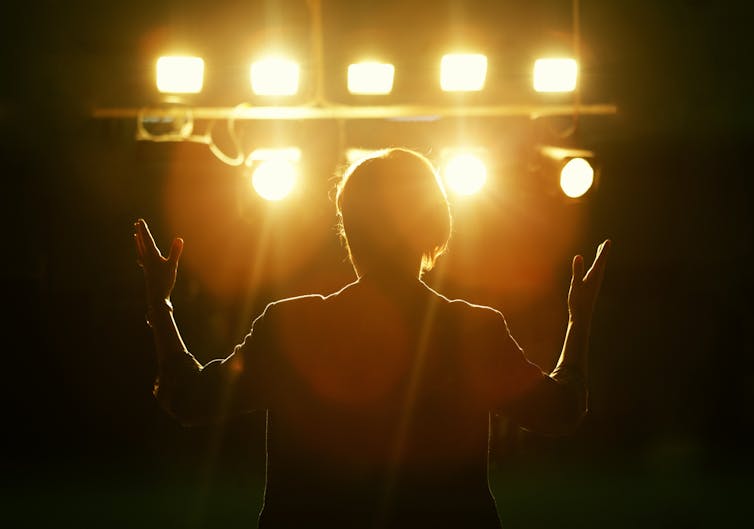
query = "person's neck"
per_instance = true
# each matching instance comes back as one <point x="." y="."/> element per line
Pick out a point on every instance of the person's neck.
<point x="391" y="278"/>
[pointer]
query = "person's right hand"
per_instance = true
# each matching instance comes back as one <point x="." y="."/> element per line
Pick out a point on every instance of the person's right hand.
<point x="159" y="272"/>
<point x="584" y="289"/>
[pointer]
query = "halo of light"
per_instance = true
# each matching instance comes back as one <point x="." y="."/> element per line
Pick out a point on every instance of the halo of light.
<point x="576" y="177"/>
<point x="465" y="173"/>
<point x="274" y="179"/>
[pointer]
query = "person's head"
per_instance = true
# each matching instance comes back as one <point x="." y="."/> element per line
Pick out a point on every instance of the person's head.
<point x="393" y="212"/>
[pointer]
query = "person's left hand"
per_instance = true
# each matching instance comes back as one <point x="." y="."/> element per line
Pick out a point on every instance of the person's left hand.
<point x="159" y="272"/>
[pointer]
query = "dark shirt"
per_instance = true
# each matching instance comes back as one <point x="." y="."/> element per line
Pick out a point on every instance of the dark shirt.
<point x="378" y="402"/>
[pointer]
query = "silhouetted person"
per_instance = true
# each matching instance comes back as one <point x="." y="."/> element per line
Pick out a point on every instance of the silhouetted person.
<point x="377" y="396"/>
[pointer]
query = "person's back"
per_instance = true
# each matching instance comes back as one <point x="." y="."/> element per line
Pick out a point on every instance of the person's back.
<point x="380" y="406"/>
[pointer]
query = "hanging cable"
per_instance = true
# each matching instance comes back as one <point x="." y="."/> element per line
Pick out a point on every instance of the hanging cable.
<point x="239" y="156"/>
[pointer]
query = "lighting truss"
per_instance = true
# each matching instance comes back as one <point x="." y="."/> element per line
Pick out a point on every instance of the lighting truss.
<point x="174" y="121"/>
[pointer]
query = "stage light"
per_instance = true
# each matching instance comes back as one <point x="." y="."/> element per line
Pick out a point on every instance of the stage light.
<point x="576" y="177"/>
<point x="574" y="166"/>
<point x="274" y="76"/>
<point x="463" y="72"/>
<point x="464" y="172"/>
<point x="275" y="171"/>
<point x="180" y="74"/>
<point x="370" y="78"/>
<point x="555" y="75"/>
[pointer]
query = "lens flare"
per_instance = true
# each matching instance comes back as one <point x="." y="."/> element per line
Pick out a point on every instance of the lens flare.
<point x="274" y="171"/>
<point x="274" y="179"/>
<point x="465" y="173"/>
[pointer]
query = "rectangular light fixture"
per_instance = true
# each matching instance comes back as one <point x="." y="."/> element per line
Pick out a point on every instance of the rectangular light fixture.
<point x="370" y="78"/>
<point x="463" y="72"/>
<point x="180" y="74"/>
<point x="555" y="75"/>
<point x="275" y="76"/>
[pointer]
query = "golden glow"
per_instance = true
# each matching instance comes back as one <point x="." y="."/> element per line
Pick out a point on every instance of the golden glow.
<point x="355" y="154"/>
<point x="274" y="76"/>
<point x="463" y="72"/>
<point x="275" y="172"/>
<point x="465" y="173"/>
<point x="576" y="177"/>
<point x="180" y="74"/>
<point x="555" y="75"/>
<point x="373" y="78"/>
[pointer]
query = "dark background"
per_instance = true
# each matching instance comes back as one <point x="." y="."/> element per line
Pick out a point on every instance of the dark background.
<point x="668" y="440"/>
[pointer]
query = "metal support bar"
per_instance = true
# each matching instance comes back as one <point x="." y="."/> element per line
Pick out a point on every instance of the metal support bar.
<point x="337" y="112"/>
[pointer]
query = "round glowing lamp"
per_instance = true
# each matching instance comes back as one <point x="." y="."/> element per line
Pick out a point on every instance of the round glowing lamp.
<point x="576" y="177"/>
<point x="465" y="173"/>
<point x="274" y="179"/>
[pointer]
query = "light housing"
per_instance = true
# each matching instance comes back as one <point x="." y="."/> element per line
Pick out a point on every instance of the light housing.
<point x="555" y="75"/>
<point x="180" y="74"/>
<point x="576" y="170"/>
<point x="463" y="72"/>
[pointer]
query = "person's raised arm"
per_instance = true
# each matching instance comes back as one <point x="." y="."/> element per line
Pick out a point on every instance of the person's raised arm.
<point x="176" y="367"/>
<point x="558" y="403"/>
<point x="571" y="371"/>
<point x="582" y="297"/>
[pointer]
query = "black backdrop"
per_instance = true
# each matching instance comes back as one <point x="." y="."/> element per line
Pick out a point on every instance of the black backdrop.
<point x="668" y="440"/>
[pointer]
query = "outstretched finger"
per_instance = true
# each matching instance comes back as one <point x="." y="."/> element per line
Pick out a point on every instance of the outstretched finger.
<point x="597" y="269"/>
<point x="139" y="250"/>
<point x="176" y="249"/>
<point x="147" y="240"/>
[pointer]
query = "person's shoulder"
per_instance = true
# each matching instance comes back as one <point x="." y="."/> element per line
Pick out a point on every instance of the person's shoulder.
<point x="467" y="307"/>
<point x="293" y="303"/>
<point x="301" y="302"/>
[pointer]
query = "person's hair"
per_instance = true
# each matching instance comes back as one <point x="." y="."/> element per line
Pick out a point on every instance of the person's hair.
<point x="393" y="212"/>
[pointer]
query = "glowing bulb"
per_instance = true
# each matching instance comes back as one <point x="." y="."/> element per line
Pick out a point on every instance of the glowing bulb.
<point x="274" y="179"/>
<point x="555" y="75"/>
<point x="180" y="74"/>
<point x="463" y="72"/>
<point x="274" y="76"/>
<point x="576" y="177"/>
<point x="275" y="173"/>
<point x="370" y="78"/>
<point x="465" y="173"/>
